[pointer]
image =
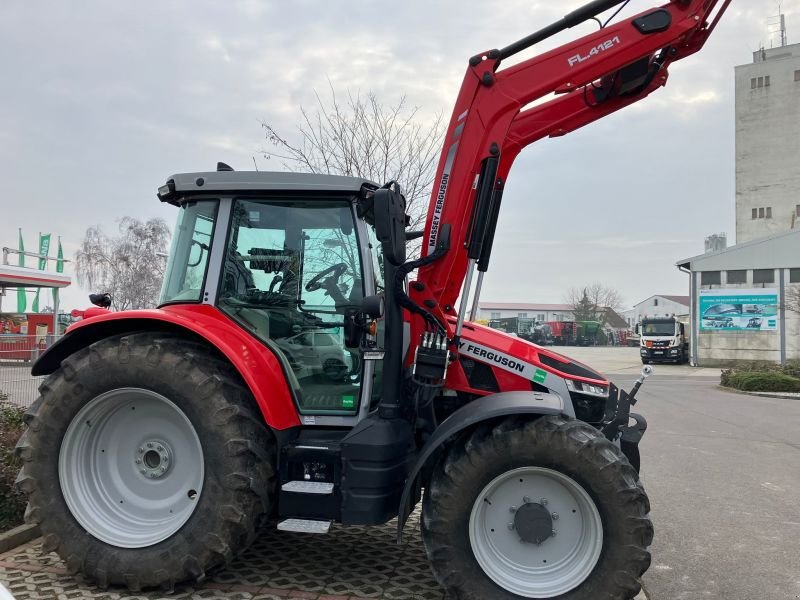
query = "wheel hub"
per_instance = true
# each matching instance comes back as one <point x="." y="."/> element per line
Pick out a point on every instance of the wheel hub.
<point x="131" y="467"/>
<point x="533" y="523"/>
<point x="153" y="459"/>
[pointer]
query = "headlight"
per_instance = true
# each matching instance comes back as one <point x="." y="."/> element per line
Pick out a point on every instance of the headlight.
<point x="587" y="388"/>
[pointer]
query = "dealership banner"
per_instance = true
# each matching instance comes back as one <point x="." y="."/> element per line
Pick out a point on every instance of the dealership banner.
<point x="739" y="310"/>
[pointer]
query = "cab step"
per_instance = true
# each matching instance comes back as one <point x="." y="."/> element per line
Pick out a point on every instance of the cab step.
<point x="304" y="526"/>
<point x="308" y="487"/>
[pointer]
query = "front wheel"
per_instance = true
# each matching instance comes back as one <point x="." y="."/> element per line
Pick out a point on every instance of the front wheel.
<point x="144" y="462"/>
<point x="537" y="509"/>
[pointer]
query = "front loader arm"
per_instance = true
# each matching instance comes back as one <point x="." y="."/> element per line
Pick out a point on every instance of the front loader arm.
<point x="592" y="77"/>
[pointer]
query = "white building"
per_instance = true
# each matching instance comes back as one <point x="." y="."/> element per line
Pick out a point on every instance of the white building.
<point x="742" y="302"/>
<point x="540" y="312"/>
<point x="768" y="143"/>
<point x="659" y="305"/>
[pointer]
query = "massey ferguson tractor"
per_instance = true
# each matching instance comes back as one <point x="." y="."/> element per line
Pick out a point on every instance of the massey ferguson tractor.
<point x="292" y="373"/>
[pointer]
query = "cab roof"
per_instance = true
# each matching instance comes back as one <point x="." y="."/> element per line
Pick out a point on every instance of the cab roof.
<point x="220" y="182"/>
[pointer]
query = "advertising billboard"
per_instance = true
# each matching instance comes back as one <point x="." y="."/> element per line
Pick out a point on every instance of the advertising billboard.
<point x="739" y="310"/>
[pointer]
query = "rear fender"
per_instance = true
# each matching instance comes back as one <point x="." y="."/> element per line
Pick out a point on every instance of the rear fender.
<point x="258" y="366"/>
<point x="480" y="410"/>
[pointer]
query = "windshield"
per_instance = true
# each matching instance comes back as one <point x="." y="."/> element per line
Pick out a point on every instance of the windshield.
<point x="659" y="328"/>
<point x="188" y="256"/>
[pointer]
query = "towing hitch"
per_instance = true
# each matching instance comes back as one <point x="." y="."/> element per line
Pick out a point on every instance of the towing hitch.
<point x="618" y="426"/>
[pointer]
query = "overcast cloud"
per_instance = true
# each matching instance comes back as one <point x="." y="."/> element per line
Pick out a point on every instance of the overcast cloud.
<point x="101" y="101"/>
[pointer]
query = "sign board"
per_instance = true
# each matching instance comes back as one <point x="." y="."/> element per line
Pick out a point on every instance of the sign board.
<point x="739" y="310"/>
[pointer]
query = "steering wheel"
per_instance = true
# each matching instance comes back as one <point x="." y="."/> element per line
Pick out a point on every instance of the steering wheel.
<point x="335" y="272"/>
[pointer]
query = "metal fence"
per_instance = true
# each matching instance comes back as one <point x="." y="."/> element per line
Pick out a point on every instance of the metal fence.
<point x="17" y="355"/>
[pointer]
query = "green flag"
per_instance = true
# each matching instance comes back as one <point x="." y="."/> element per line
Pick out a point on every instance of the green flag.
<point x="22" y="302"/>
<point x="59" y="269"/>
<point x="44" y="251"/>
<point x="60" y="259"/>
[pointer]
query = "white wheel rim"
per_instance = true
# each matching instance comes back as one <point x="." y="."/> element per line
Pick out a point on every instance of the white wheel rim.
<point x="131" y="468"/>
<point x="556" y="565"/>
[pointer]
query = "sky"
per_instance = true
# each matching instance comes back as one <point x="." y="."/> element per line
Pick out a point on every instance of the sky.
<point x="101" y="101"/>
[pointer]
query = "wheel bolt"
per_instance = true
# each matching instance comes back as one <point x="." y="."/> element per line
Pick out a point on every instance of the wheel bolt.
<point x="152" y="474"/>
<point x="142" y="471"/>
<point x="525" y="499"/>
<point x="555" y="516"/>
<point x="149" y="444"/>
<point x="160" y="448"/>
<point x="138" y="461"/>
<point x="163" y="469"/>
<point x="512" y="509"/>
<point x="141" y="450"/>
<point x="543" y="501"/>
<point x="511" y="527"/>
<point x="553" y="534"/>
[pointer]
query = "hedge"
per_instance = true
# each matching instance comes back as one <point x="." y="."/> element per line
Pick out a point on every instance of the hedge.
<point x="767" y="381"/>
<point x="12" y="502"/>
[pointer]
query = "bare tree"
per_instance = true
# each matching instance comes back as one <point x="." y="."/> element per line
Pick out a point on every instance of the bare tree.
<point x="363" y="137"/>
<point x="129" y="266"/>
<point x="590" y="303"/>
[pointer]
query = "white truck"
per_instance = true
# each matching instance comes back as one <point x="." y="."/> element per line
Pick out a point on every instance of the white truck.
<point x="664" y="339"/>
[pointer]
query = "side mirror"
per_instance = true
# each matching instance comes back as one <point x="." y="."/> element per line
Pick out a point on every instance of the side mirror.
<point x="373" y="306"/>
<point x="101" y="300"/>
<point x="390" y="223"/>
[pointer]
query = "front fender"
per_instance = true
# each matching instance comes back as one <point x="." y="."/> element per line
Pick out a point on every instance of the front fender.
<point x="258" y="366"/>
<point x="481" y="409"/>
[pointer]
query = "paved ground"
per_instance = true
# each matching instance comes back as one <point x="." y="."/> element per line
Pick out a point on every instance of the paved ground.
<point x="722" y="471"/>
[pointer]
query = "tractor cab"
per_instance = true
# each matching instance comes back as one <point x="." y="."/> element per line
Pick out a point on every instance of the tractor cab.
<point x="291" y="265"/>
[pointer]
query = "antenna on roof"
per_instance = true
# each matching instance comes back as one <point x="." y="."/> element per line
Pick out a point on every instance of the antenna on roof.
<point x="777" y="25"/>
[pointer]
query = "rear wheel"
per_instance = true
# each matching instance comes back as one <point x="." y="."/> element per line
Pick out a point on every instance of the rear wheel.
<point x="145" y="463"/>
<point x="537" y="509"/>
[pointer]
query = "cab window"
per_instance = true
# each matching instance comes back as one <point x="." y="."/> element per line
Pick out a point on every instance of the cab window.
<point x="292" y="271"/>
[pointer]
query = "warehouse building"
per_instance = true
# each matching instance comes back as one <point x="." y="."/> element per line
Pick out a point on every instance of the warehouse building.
<point x="744" y="302"/>
<point x="540" y="312"/>
<point x="658" y="305"/>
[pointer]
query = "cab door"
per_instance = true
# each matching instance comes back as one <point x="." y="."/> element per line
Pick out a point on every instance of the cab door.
<point x="293" y="271"/>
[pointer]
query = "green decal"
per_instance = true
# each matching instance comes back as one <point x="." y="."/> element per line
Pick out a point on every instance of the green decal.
<point x="348" y="401"/>
<point x="539" y="376"/>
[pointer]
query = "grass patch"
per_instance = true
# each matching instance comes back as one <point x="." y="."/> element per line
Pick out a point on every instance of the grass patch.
<point x="12" y="502"/>
<point x="777" y="378"/>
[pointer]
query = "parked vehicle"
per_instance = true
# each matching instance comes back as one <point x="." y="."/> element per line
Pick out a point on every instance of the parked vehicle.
<point x="664" y="339"/>
<point x="164" y="439"/>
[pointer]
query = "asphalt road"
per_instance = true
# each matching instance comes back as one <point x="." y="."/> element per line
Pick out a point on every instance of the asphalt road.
<point x="723" y="474"/>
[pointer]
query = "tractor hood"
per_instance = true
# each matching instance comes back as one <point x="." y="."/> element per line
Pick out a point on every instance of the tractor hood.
<point x="521" y="357"/>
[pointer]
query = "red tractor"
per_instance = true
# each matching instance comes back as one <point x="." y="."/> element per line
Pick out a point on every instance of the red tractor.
<point x="292" y="371"/>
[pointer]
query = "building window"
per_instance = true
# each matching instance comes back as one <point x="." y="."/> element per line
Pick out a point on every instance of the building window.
<point x="540" y="318"/>
<point x="797" y="210"/>
<point x="655" y="301"/>
<point x="522" y="315"/>
<point x="760" y="82"/>
<point x="797" y="75"/>
<point x="766" y="81"/>
<point x="739" y="276"/>
<point x="494" y="315"/>
<point x="761" y="213"/>
<point x="710" y="278"/>
<point x="763" y="275"/>
<point x="769" y="212"/>
<point x="755" y="214"/>
<point x="794" y="275"/>
<point x="753" y="83"/>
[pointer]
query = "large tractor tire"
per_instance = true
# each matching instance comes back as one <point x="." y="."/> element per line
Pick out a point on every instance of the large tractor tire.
<point x="145" y="462"/>
<point x="536" y="509"/>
